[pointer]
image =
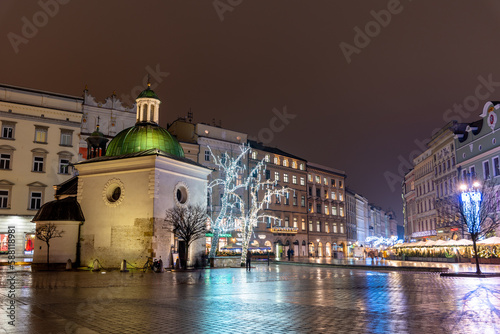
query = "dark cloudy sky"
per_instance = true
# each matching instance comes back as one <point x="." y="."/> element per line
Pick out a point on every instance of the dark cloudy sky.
<point x="363" y="117"/>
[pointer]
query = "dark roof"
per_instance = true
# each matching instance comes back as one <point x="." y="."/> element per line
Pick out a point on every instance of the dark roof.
<point x="260" y="146"/>
<point x="68" y="187"/>
<point x="63" y="209"/>
<point x="153" y="151"/>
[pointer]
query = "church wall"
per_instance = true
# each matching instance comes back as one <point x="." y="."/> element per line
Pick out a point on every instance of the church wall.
<point x="61" y="249"/>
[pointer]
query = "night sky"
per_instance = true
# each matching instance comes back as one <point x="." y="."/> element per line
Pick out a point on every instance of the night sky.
<point x="361" y="110"/>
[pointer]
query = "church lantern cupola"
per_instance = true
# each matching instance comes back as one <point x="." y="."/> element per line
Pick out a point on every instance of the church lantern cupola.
<point x="148" y="106"/>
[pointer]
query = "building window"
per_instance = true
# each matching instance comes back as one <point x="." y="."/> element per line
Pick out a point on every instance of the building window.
<point x="496" y="166"/>
<point x="318" y="179"/>
<point x="4" y="161"/>
<point x="4" y="199"/>
<point x="334" y="210"/>
<point x="333" y="182"/>
<point x="310" y="225"/>
<point x="303" y="201"/>
<point x="318" y="208"/>
<point x="341" y="210"/>
<point x="325" y="181"/>
<point x="334" y="228"/>
<point x="301" y="167"/>
<point x="41" y="134"/>
<point x="38" y="164"/>
<point x="472" y="171"/>
<point x="278" y="199"/>
<point x="294" y="164"/>
<point x="276" y="160"/>
<point x="327" y="228"/>
<point x="8" y="129"/>
<point x="285" y="177"/>
<point x="287" y="221"/>
<point x="276" y="176"/>
<point x="295" y="222"/>
<point x="486" y="169"/>
<point x="318" y="226"/>
<point x="207" y="155"/>
<point x="285" y="163"/>
<point x="325" y="192"/>
<point x="340" y="184"/>
<point x="310" y="207"/>
<point x="334" y="195"/>
<point x="35" y="200"/>
<point x="268" y="174"/>
<point x="294" y="179"/>
<point x="287" y="199"/>
<point x="341" y="197"/>
<point x="318" y="192"/>
<point x="294" y="198"/>
<point x="309" y="177"/>
<point x="66" y="137"/>
<point x="310" y="191"/>
<point x="266" y="158"/>
<point x="341" y="228"/>
<point x="63" y="166"/>
<point x="302" y="181"/>
<point x="327" y="212"/>
<point x="303" y="224"/>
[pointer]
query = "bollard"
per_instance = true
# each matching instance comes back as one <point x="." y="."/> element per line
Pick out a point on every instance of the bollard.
<point x="123" y="267"/>
<point x="95" y="265"/>
<point x="69" y="265"/>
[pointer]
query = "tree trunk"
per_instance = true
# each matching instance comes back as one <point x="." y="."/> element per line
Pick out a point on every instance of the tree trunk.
<point x="215" y="244"/>
<point x="247" y="234"/>
<point x="476" y="255"/>
<point x="48" y="257"/>
<point x="186" y="255"/>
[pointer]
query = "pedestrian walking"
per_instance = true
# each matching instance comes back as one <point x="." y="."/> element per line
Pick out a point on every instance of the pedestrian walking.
<point x="249" y="260"/>
<point x="289" y="253"/>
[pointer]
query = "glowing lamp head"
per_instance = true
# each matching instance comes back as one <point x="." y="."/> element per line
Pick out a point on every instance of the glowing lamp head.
<point x="476" y="184"/>
<point x="463" y="187"/>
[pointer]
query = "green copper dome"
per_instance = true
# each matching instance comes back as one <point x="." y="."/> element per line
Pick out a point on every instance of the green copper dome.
<point x="142" y="137"/>
<point x="148" y="93"/>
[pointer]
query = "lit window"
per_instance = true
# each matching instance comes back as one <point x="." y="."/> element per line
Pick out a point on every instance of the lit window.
<point x="38" y="164"/>
<point x="294" y="198"/>
<point x="66" y="136"/>
<point x="294" y="164"/>
<point x="340" y="184"/>
<point x="341" y="210"/>
<point x="294" y="179"/>
<point x="35" y="200"/>
<point x="327" y="212"/>
<point x="287" y="221"/>
<point x="276" y="176"/>
<point x="310" y="225"/>
<point x="302" y="201"/>
<point x="302" y="181"/>
<point x="63" y="166"/>
<point x="303" y="224"/>
<point x="4" y="199"/>
<point x="207" y="155"/>
<point x="341" y="197"/>
<point x="285" y="177"/>
<point x="285" y="163"/>
<point x="318" y="179"/>
<point x="334" y="195"/>
<point x="341" y="228"/>
<point x="334" y="228"/>
<point x="4" y="161"/>
<point x="334" y="210"/>
<point x="318" y="226"/>
<point x="254" y="155"/>
<point x="325" y="181"/>
<point x="327" y="228"/>
<point x="301" y="166"/>
<point x="276" y="160"/>
<point x="266" y="158"/>
<point x="309" y="177"/>
<point x="311" y="208"/>
<point x="295" y="222"/>
<point x="41" y="134"/>
<point x="8" y="130"/>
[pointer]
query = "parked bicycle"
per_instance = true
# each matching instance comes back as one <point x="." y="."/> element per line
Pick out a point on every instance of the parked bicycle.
<point x="155" y="265"/>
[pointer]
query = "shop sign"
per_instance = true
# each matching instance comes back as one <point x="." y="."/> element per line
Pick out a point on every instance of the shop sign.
<point x="227" y="235"/>
<point x="423" y="234"/>
<point x="261" y="236"/>
<point x="279" y="229"/>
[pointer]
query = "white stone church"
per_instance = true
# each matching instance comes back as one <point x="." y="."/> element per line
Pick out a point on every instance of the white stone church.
<point x="115" y="208"/>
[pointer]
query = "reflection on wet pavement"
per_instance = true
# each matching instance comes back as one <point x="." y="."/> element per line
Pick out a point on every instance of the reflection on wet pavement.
<point x="274" y="299"/>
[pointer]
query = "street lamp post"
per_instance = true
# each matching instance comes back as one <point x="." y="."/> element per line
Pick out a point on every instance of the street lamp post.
<point x="470" y="200"/>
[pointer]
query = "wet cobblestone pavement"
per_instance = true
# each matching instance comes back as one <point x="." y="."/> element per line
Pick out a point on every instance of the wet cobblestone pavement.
<point x="274" y="299"/>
